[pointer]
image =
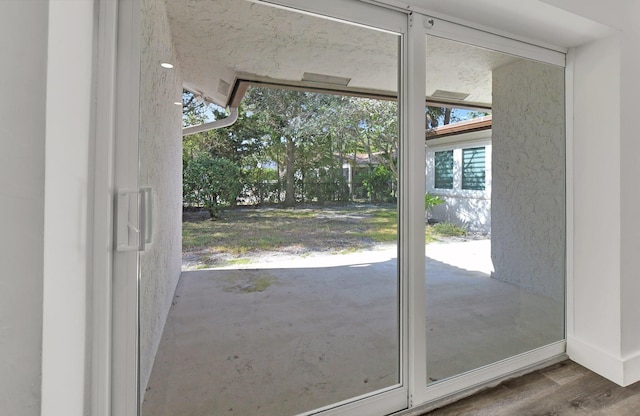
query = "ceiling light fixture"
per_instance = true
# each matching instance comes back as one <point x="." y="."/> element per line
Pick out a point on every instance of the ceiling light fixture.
<point x="166" y="65"/>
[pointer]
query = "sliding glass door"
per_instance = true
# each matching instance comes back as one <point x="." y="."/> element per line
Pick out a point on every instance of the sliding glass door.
<point x="331" y="208"/>
<point x="285" y="297"/>
<point x="495" y="173"/>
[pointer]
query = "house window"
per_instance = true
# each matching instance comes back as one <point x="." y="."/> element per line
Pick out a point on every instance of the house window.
<point x="444" y="170"/>
<point x="473" y="168"/>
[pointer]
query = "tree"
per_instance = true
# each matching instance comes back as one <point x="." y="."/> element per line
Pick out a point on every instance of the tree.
<point x="235" y="143"/>
<point x="287" y="116"/>
<point x="379" y="125"/>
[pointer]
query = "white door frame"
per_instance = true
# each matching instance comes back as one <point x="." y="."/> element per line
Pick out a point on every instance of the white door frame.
<point x="115" y="309"/>
<point x="427" y="25"/>
<point x="115" y="285"/>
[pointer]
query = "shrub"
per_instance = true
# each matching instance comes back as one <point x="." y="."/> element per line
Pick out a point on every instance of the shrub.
<point x="261" y="184"/>
<point x="430" y="201"/>
<point x="326" y="185"/>
<point x="211" y="182"/>
<point x="378" y="184"/>
<point x="448" y="229"/>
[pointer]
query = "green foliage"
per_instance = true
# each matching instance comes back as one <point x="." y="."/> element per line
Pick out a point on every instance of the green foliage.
<point x="261" y="184"/>
<point x="431" y="200"/>
<point x="290" y="119"/>
<point x="326" y="185"/>
<point x="293" y="145"/>
<point x="378" y="183"/>
<point x="211" y="182"/>
<point x="448" y="229"/>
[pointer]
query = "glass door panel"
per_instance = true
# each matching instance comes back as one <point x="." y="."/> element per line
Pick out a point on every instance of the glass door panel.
<point x="495" y="274"/>
<point x="284" y="295"/>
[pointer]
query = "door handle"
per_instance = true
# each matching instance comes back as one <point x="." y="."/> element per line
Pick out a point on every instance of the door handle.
<point x="133" y="220"/>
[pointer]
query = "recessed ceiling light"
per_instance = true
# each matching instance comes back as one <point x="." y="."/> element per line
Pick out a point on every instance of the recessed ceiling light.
<point x="166" y="65"/>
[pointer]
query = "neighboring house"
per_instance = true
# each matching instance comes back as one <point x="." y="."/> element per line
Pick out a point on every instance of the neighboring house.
<point x="458" y="170"/>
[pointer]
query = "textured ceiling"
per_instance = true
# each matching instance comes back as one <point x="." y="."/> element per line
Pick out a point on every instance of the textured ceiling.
<point x="224" y="39"/>
<point x="257" y="41"/>
<point x="536" y="20"/>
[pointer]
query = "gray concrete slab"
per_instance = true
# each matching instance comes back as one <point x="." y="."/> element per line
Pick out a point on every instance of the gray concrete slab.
<point x="289" y="336"/>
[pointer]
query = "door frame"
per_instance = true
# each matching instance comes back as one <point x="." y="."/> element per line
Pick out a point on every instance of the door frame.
<point x="118" y="320"/>
<point x="465" y="384"/>
<point x="115" y="333"/>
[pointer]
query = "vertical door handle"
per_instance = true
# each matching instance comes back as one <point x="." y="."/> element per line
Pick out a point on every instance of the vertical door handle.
<point x="146" y="217"/>
<point x="133" y="220"/>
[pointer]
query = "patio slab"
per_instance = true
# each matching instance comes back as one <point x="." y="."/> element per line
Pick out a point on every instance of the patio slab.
<point x="286" y="337"/>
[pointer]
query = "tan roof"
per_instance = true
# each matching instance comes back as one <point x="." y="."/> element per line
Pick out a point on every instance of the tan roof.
<point x="475" y="124"/>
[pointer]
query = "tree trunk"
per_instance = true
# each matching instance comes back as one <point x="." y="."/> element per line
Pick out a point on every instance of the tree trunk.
<point x="289" y="196"/>
<point x="447" y="116"/>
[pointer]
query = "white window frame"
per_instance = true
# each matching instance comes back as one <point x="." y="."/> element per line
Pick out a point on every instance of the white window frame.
<point x="457" y="144"/>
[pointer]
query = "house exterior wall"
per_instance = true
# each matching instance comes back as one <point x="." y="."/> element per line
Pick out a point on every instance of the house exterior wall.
<point x="160" y="169"/>
<point x="466" y="208"/>
<point x="528" y="189"/>
<point x="22" y="181"/>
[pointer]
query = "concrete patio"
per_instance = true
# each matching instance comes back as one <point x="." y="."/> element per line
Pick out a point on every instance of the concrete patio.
<point x="281" y="338"/>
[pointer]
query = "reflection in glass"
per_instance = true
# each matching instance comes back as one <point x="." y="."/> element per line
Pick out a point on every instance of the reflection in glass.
<point x="499" y="291"/>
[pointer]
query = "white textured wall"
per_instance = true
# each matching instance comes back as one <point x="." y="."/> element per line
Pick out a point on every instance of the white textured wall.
<point x="597" y="225"/>
<point x="161" y="169"/>
<point x="473" y="214"/>
<point x="22" y="154"/>
<point x="528" y="198"/>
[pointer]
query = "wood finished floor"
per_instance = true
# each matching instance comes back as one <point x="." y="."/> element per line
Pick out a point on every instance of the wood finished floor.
<point x="563" y="389"/>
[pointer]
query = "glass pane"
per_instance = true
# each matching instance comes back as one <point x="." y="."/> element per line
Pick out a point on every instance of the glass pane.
<point x="444" y="169"/>
<point x="495" y="271"/>
<point x="473" y="168"/>
<point x="287" y="300"/>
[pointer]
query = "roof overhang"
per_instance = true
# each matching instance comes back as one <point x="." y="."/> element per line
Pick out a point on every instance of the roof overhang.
<point x="224" y="46"/>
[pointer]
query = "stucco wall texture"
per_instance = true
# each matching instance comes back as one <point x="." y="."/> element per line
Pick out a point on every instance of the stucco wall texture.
<point x="528" y="189"/>
<point x="160" y="169"/>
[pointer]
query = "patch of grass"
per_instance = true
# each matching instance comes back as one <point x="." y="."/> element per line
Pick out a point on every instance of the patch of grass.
<point x="347" y="250"/>
<point x="249" y="284"/>
<point x="241" y="260"/>
<point x="242" y="233"/>
<point x="448" y="230"/>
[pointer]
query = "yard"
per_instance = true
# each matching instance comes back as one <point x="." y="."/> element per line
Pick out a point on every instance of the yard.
<point x="243" y="235"/>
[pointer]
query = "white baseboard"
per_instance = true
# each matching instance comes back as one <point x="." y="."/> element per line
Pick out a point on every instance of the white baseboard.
<point x="622" y="371"/>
